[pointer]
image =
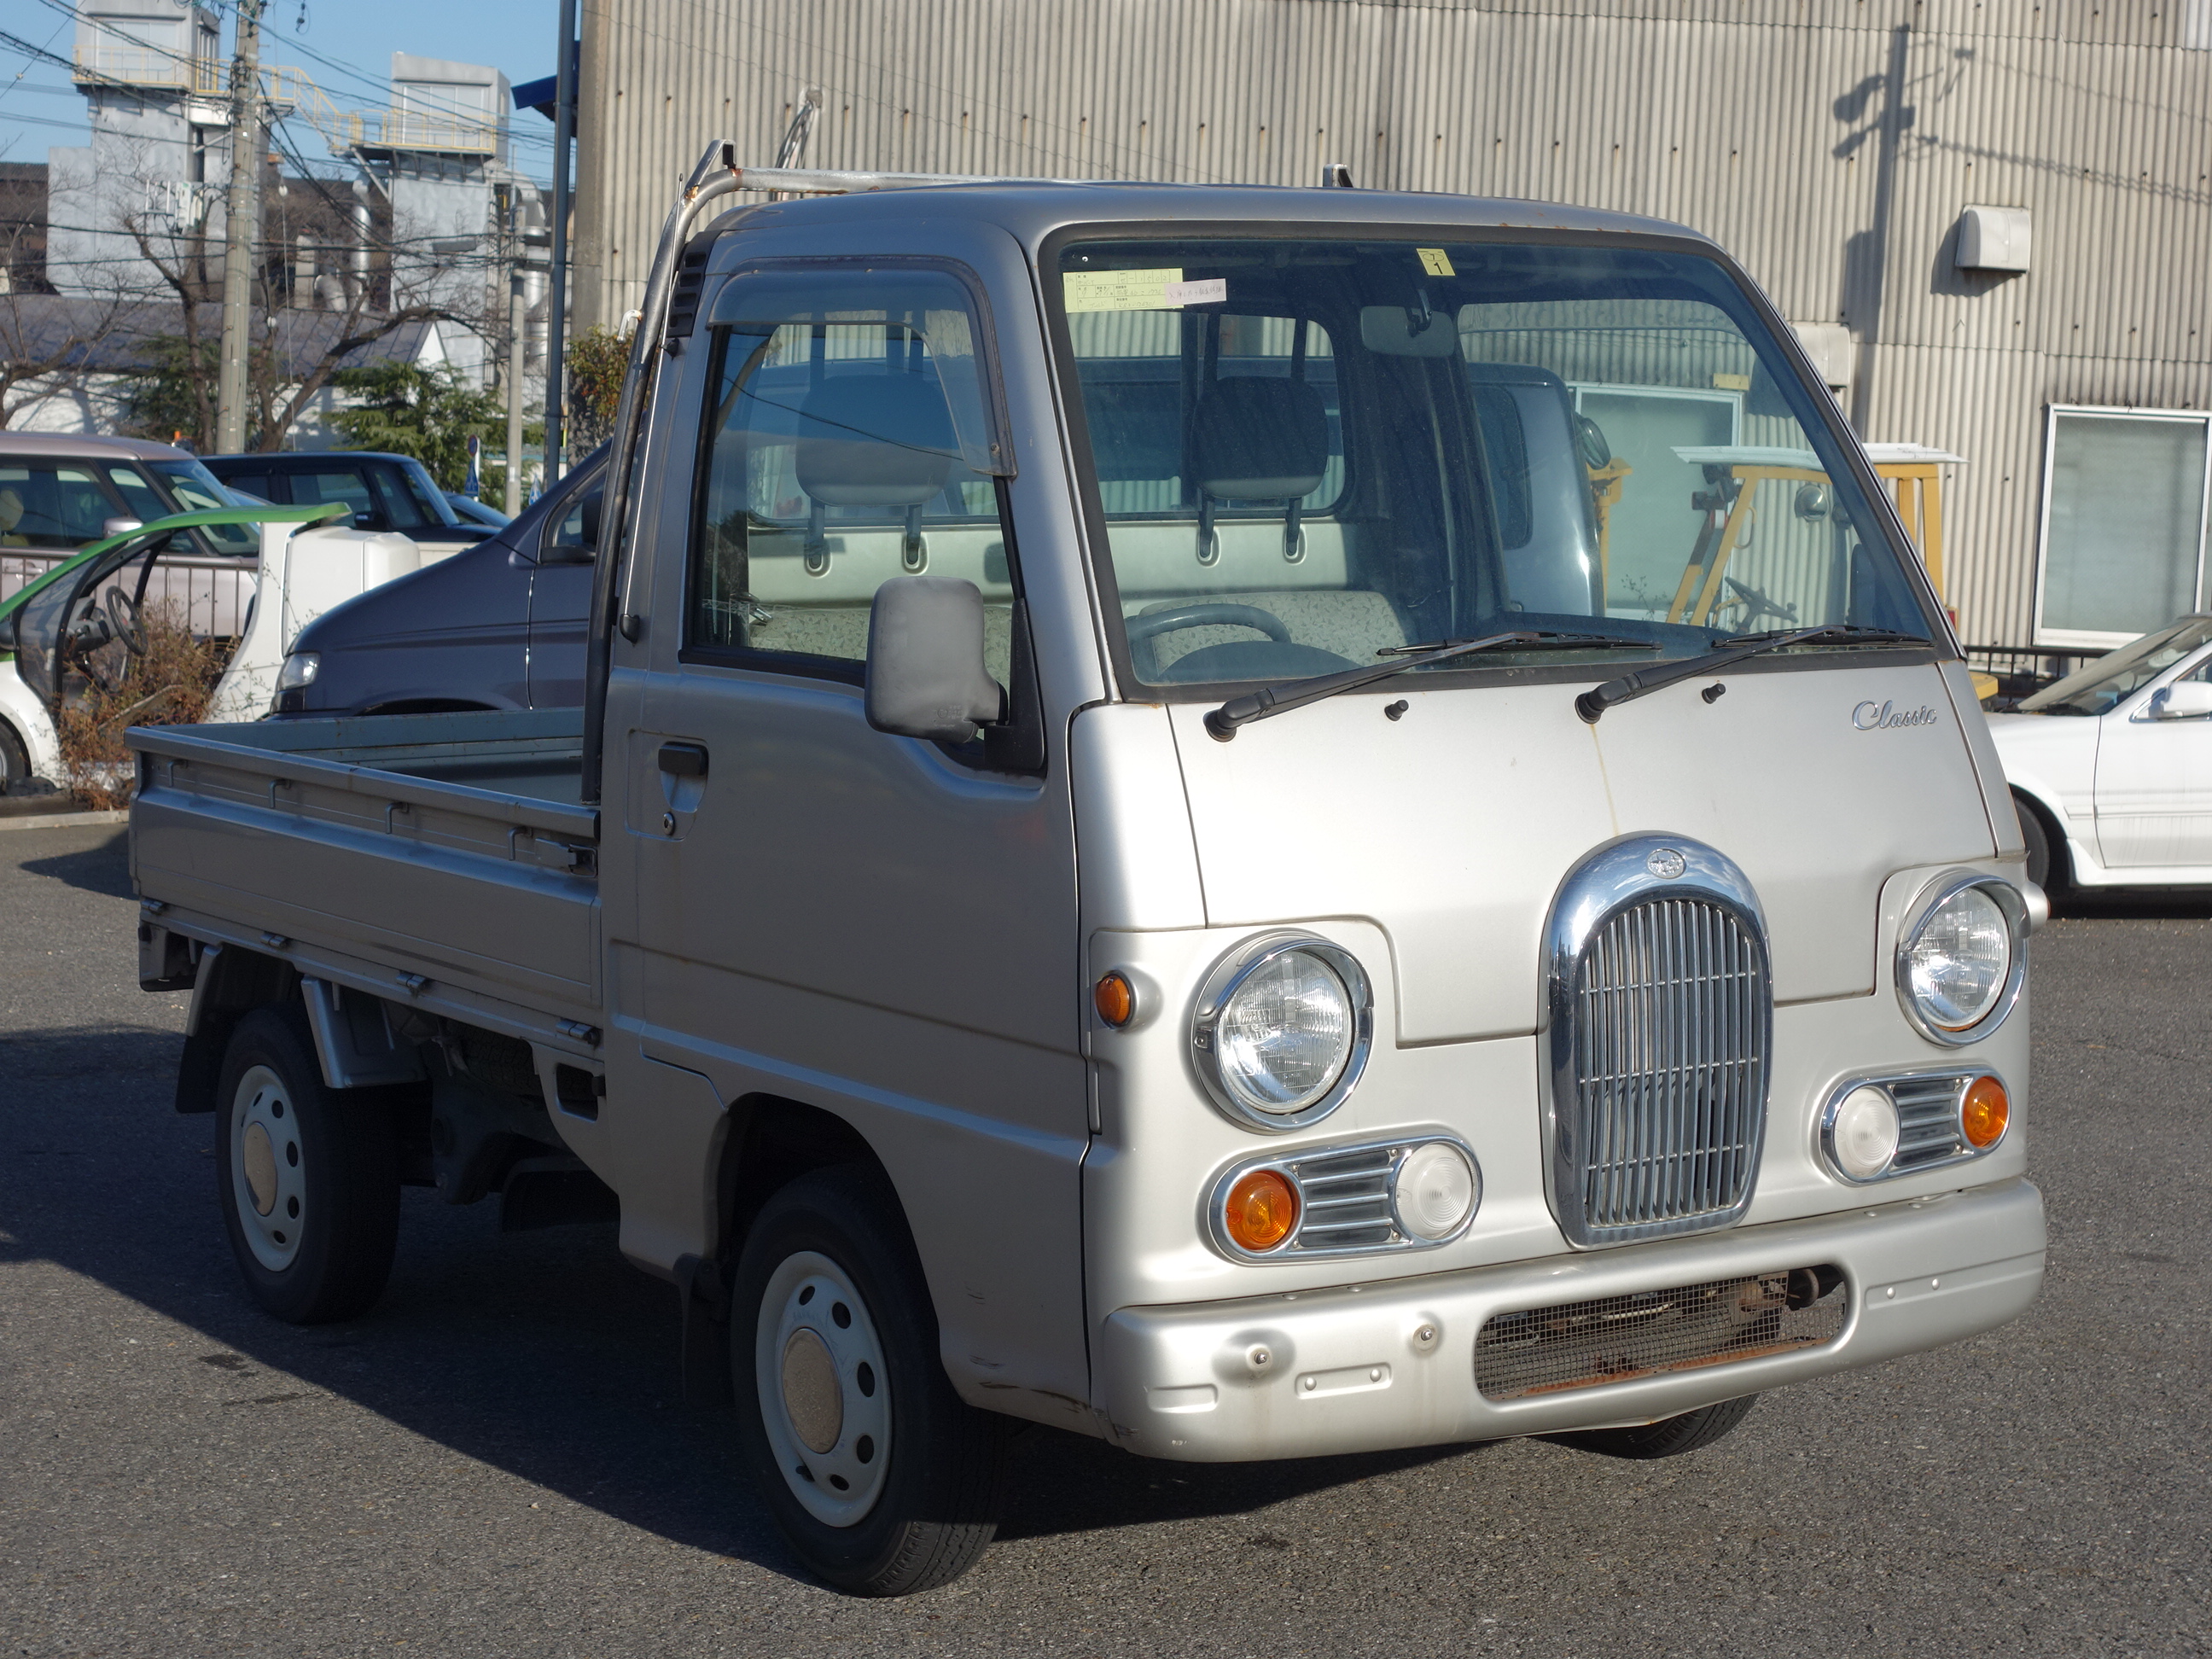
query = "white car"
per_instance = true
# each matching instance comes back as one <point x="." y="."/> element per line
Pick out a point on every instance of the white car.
<point x="2111" y="768"/>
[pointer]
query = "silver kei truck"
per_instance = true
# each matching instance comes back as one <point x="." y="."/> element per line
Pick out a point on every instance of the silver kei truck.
<point x="1252" y="822"/>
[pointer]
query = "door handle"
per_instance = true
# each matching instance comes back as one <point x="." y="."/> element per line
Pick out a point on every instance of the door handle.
<point x="683" y="760"/>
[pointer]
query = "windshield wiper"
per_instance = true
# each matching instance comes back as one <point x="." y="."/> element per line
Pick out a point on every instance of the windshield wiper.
<point x="1542" y="643"/>
<point x="1223" y="722"/>
<point x="1593" y="703"/>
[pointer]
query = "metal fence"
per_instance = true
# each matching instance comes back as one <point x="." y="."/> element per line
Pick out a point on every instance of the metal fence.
<point x="209" y="596"/>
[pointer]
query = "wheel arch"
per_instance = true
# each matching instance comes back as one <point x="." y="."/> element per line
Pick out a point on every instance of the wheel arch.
<point x="773" y="1140"/>
<point x="2058" y="829"/>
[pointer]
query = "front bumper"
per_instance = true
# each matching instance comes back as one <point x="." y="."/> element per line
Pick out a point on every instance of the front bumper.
<point x="1349" y="1369"/>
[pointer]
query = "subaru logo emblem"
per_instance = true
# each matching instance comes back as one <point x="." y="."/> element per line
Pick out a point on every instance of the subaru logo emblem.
<point x="1665" y="863"/>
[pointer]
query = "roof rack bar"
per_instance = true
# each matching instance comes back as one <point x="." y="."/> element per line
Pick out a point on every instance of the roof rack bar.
<point x="822" y="181"/>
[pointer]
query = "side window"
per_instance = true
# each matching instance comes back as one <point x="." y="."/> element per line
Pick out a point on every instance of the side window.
<point x="138" y="496"/>
<point x="401" y="497"/>
<point x="579" y="527"/>
<point x="850" y="440"/>
<point x="349" y="486"/>
<point x="44" y="505"/>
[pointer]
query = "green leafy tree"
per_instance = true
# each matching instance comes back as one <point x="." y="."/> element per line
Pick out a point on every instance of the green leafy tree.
<point x="598" y="359"/>
<point x="430" y="414"/>
<point x="172" y="395"/>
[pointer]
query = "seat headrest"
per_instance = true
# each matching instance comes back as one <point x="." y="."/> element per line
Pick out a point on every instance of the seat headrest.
<point x="1259" y="440"/>
<point x="875" y="441"/>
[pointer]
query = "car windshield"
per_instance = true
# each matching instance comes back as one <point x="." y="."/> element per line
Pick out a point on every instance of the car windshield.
<point x="1307" y="452"/>
<point x="195" y="489"/>
<point x="2106" y="681"/>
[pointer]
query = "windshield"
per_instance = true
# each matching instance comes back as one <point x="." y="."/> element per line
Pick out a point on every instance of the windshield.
<point x="195" y="489"/>
<point x="2106" y="682"/>
<point x="1307" y="452"/>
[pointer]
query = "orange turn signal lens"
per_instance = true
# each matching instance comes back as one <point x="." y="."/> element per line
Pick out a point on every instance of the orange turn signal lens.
<point x="1116" y="999"/>
<point x="1983" y="1114"/>
<point x="1262" y="1210"/>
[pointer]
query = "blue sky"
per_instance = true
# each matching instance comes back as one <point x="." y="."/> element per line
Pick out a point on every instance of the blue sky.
<point x="346" y="46"/>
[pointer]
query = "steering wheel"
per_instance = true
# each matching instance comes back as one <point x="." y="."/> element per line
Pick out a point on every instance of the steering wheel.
<point x="1151" y="624"/>
<point x="123" y="618"/>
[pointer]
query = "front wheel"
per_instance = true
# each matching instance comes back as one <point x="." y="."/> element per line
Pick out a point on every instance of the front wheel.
<point x="884" y="1480"/>
<point x="1668" y="1438"/>
<point x="2046" y="865"/>
<point x="308" y="1176"/>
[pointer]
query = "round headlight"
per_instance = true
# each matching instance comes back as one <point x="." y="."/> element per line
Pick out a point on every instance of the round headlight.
<point x="1285" y="1033"/>
<point x="1436" y="1190"/>
<point x="1282" y="1031"/>
<point x="1863" y="1133"/>
<point x="1959" y="968"/>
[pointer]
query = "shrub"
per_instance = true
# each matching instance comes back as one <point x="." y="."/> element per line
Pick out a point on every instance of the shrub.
<point x="169" y="686"/>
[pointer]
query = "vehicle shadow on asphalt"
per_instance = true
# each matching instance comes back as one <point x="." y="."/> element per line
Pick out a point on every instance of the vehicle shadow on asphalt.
<point x="102" y="869"/>
<point x="541" y="1354"/>
<point x="2147" y="904"/>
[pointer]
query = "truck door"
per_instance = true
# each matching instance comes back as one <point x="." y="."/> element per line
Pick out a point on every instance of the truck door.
<point x="874" y="927"/>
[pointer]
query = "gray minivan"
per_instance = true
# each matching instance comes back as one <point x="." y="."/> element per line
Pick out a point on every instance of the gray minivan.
<point x="499" y="625"/>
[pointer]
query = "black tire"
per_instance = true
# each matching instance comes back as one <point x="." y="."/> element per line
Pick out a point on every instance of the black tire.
<point x="932" y="1507"/>
<point x="2046" y="853"/>
<point x="14" y="757"/>
<point x="326" y="1164"/>
<point x="1668" y="1438"/>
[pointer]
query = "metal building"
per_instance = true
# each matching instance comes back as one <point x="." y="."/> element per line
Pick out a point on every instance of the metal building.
<point x="1991" y="219"/>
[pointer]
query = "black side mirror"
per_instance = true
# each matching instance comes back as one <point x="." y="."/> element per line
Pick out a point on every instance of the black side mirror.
<point x="926" y="676"/>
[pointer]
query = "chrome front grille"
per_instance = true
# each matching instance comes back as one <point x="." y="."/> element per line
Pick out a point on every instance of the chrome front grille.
<point x="1662" y="1014"/>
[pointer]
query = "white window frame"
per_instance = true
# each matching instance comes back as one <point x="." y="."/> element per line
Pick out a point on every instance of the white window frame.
<point x="2077" y="637"/>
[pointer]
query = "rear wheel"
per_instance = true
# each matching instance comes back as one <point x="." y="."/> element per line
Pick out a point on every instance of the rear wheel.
<point x="15" y="758"/>
<point x="884" y="1480"/>
<point x="307" y="1177"/>
<point x="1668" y="1438"/>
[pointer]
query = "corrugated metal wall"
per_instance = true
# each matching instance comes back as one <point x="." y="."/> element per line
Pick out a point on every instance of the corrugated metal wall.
<point x="1830" y="144"/>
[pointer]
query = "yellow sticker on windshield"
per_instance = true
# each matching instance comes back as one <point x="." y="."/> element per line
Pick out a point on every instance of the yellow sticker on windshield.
<point x="1436" y="262"/>
<point x="1160" y="289"/>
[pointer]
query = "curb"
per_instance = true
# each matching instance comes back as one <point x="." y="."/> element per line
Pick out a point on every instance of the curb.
<point x="63" y="820"/>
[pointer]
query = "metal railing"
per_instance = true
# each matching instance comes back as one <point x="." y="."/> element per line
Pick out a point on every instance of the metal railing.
<point x="207" y="595"/>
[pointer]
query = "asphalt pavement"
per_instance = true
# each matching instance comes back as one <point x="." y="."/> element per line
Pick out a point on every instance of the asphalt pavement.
<point x="495" y="1460"/>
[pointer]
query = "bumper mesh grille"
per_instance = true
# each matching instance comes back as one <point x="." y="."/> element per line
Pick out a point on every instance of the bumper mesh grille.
<point x="1671" y="1013"/>
<point x="1620" y="1339"/>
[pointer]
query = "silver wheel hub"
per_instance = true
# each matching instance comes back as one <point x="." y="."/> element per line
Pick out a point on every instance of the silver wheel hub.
<point x="824" y="1391"/>
<point x="268" y="1175"/>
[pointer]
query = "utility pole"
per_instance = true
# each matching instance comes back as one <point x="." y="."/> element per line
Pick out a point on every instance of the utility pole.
<point x="517" y="315"/>
<point x="242" y="231"/>
<point x="556" y="303"/>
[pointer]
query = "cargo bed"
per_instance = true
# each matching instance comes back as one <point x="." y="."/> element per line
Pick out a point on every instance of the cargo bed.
<point x="440" y="857"/>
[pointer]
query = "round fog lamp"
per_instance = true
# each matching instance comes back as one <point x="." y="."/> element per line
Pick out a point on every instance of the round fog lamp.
<point x="1435" y="1190"/>
<point x="1261" y="1210"/>
<point x="1863" y="1135"/>
<point x="1984" y="1113"/>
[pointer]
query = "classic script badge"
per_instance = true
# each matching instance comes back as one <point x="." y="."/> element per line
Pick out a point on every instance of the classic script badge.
<point x="1882" y="716"/>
